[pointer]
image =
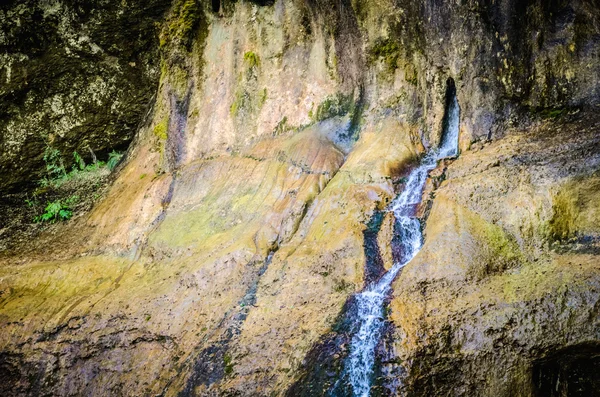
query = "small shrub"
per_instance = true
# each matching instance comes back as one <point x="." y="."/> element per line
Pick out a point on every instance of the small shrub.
<point x="54" y="162"/>
<point x="79" y="163"/>
<point x="57" y="210"/>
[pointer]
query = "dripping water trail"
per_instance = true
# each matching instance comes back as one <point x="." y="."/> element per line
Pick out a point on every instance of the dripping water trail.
<point x="213" y="363"/>
<point x="370" y="319"/>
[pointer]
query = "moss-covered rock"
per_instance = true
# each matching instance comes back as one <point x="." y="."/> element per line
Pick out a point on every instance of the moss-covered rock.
<point x="75" y="77"/>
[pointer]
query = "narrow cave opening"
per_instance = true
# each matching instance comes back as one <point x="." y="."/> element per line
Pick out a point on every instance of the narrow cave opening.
<point x="216" y="6"/>
<point x="451" y="120"/>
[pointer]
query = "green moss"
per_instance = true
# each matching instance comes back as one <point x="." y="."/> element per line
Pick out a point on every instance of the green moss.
<point x="263" y="97"/>
<point x="411" y="75"/>
<point x="498" y="250"/>
<point x="502" y="249"/>
<point x="562" y="224"/>
<point x="178" y="78"/>
<point x="338" y="105"/>
<point x="227" y="364"/>
<point x="386" y="50"/>
<point x="185" y="15"/>
<point x="340" y="285"/>
<point x="575" y="210"/>
<point x="282" y="126"/>
<point x="160" y="130"/>
<point x="554" y="113"/>
<point x="251" y="59"/>
<point x="240" y="102"/>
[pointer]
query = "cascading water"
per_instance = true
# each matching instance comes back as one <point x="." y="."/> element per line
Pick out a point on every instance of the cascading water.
<point x="370" y="316"/>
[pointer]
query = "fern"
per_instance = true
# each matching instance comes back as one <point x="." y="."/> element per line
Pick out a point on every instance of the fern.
<point x="57" y="210"/>
<point x="54" y="162"/>
<point x="78" y="161"/>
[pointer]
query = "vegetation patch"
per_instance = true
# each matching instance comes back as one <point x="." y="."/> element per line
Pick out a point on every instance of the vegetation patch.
<point x="575" y="210"/>
<point x="184" y="18"/>
<point x="553" y="113"/>
<point x="227" y="364"/>
<point x="411" y="75"/>
<point x="60" y="195"/>
<point x="282" y="126"/>
<point x="240" y="102"/>
<point x="497" y="251"/>
<point x="160" y="130"/>
<point x="263" y="97"/>
<point x="251" y="59"/>
<point x="386" y="50"/>
<point x="58" y="210"/>
<point x="337" y="105"/>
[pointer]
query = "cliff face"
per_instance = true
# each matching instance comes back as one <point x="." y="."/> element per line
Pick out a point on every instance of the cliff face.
<point x="225" y="255"/>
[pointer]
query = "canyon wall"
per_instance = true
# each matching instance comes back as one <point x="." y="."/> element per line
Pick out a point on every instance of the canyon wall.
<point x="225" y="254"/>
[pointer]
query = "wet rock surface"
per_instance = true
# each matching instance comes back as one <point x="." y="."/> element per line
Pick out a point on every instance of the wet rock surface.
<point x="286" y="127"/>
<point x="492" y="287"/>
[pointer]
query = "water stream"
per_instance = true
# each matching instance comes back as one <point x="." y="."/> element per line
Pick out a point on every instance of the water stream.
<point x="359" y="365"/>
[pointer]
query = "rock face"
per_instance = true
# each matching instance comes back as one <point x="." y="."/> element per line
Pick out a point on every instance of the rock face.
<point x="75" y="76"/>
<point x="224" y="258"/>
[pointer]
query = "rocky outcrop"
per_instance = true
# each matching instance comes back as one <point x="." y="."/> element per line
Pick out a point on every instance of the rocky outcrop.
<point x="504" y="294"/>
<point x="224" y="257"/>
<point x="75" y="77"/>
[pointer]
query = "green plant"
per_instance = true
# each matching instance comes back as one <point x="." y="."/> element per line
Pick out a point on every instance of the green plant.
<point x="57" y="210"/>
<point x="387" y="50"/>
<point x="113" y="159"/>
<point x="79" y="163"/>
<point x="31" y="202"/>
<point x="241" y="101"/>
<point x="252" y="59"/>
<point x="337" y="105"/>
<point x="228" y="364"/>
<point x="54" y="162"/>
<point x="553" y="113"/>
<point x="263" y="97"/>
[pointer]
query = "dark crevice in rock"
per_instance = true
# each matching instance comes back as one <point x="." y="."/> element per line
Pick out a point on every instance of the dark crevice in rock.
<point x="216" y="5"/>
<point x="570" y="372"/>
<point x="374" y="268"/>
<point x="213" y="363"/>
<point x="322" y="367"/>
<point x="176" y="140"/>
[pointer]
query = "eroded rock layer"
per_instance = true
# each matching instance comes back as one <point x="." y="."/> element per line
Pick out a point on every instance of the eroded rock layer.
<point x="225" y="255"/>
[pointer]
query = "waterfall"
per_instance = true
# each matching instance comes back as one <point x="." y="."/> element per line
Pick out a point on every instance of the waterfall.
<point x="370" y="316"/>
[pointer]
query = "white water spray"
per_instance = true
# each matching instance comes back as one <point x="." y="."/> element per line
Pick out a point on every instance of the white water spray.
<point x="370" y="316"/>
